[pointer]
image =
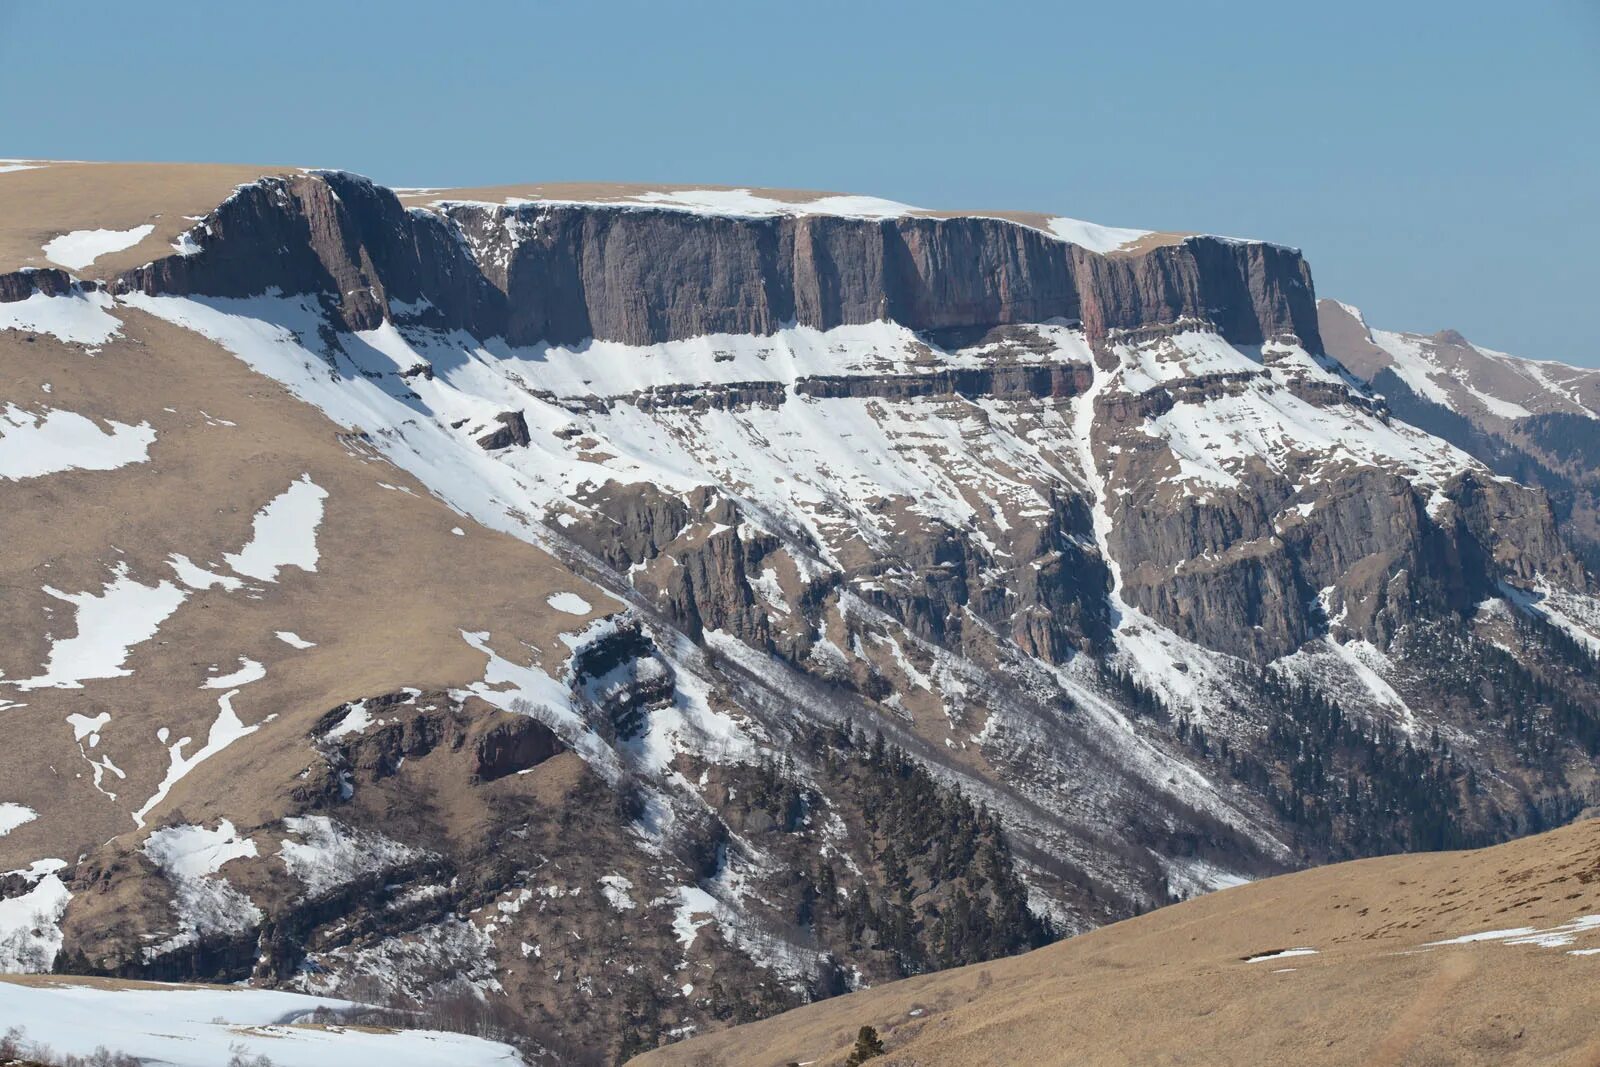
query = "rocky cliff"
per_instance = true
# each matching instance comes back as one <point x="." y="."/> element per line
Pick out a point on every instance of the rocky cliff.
<point x="562" y="274"/>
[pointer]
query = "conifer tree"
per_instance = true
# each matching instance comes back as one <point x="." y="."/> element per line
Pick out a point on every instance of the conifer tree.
<point x="868" y="1046"/>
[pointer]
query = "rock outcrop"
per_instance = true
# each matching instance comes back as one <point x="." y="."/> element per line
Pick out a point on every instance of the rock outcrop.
<point x="21" y="284"/>
<point x="512" y="432"/>
<point x="562" y="273"/>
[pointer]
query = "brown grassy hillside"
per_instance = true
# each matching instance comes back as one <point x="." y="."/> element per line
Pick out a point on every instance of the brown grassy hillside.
<point x="1176" y="986"/>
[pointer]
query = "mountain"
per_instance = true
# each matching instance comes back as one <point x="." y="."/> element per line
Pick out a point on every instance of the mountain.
<point x="654" y="608"/>
<point x="1454" y="957"/>
<point x="1492" y="389"/>
<point x="1531" y="420"/>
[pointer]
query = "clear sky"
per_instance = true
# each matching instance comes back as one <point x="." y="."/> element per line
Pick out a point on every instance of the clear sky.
<point x="1438" y="162"/>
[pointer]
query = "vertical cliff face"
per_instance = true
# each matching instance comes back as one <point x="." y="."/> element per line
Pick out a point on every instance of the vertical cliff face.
<point x="336" y="236"/>
<point x="564" y="273"/>
<point x="1251" y="292"/>
<point x="21" y="284"/>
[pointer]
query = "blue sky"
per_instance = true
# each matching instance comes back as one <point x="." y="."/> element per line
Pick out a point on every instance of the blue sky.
<point x="1439" y="163"/>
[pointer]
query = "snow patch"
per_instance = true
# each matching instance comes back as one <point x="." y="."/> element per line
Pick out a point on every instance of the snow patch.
<point x="32" y="445"/>
<point x="284" y="533"/>
<point x="13" y="815"/>
<point x="1192" y="877"/>
<point x="571" y="603"/>
<point x="249" y="671"/>
<point x="1093" y="236"/>
<point x="530" y="691"/>
<point x="75" y="318"/>
<point x="1554" y="937"/>
<point x="78" y="249"/>
<point x="186" y="245"/>
<point x="615" y="889"/>
<point x="332" y="854"/>
<point x="30" y="928"/>
<point x="85" y="726"/>
<point x="193" y="851"/>
<point x="743" y="203"/>
<point x="1574" y="613"/>
<point x="124" y="614"/>
<point x="195" y="576"/>
<point x="1281" y="954"/>
<point x="357" y="719"/>
<point x="695" y="909"/>
<point x="225" y="730"/>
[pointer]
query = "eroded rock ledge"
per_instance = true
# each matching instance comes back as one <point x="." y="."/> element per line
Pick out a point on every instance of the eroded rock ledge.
<point x="564" y="273"/>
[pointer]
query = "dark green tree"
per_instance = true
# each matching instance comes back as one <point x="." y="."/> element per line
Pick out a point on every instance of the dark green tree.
<point x="868" y="1046"/>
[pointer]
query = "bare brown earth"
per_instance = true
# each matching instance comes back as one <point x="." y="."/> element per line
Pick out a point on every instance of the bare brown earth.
<point x="51" y="199"/>
<point x="1174" y="987"/>
<point x="393" y="588"/>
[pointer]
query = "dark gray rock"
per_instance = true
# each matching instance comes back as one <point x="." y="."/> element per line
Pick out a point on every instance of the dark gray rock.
<point x="566" y="273"/>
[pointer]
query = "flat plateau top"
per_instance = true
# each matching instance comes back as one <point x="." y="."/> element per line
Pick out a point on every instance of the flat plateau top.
<point x="99" y="219"/>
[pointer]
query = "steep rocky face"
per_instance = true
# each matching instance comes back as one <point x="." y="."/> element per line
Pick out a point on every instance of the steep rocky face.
<point x="710" y="610"/>
<point x="1251" y="292"/>
<point x="21" y="284"/>
<point x="338" y="237"/>
<point x="565" y="273"/>
<point x="1257" y="574"/>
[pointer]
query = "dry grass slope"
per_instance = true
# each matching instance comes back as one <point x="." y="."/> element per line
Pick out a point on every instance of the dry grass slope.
<point x="1175" y="987"/>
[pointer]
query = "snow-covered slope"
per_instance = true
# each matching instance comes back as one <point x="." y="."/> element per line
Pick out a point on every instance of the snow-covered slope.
<point x="1447" y="369"/>
<point x="199" y="1026"/>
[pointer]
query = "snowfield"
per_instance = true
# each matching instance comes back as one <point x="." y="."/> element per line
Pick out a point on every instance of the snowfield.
<point x="32" y="445"/>
<point x="125" y="613"/>
<point x="199" y="1026"/>
<point x="1093" y="236"/>
<point x="285" y="533"/>
<point x="80" y="248"/>
<point x="80" y="318"/>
